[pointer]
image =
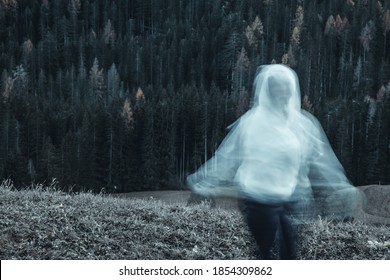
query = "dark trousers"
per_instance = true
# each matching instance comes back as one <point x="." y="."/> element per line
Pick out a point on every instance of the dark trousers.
<point x="266" y="222"/>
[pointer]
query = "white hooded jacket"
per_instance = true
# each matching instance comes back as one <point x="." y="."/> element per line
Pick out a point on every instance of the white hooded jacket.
<point x="276" y="152"/>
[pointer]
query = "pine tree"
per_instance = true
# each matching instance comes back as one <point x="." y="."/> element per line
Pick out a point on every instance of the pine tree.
<point x="82" y="82"/>
<point x="254" y="33"/>
<point x="6" y="4"/>
<point x="20" y="81"/>
<point x="366" y="37"/>
<point x="230" y="52"/>
<point x="8" y="135"/>
<point x="373" y="136"/>
<point x="87" y="153"/>
<point x="386" y="29"/>
<point x="96" y="83"/>
<point x="113" y="84"/>
<point x="239" y="73"/>
<point x="149" y="151"/>
<point x="50" y="162"/>
<point x="74" y="7"/>
<point x="343" y="145"/>
<point x="290" y="58"/>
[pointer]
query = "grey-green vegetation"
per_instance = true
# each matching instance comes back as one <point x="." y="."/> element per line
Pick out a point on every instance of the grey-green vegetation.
<point x="45" y="223"/>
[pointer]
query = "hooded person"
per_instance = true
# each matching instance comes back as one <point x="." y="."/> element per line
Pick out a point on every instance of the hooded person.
<point x="277" y="156"/>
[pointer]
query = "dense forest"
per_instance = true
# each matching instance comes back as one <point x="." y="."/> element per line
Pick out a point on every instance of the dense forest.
<point x="134" y="95"/>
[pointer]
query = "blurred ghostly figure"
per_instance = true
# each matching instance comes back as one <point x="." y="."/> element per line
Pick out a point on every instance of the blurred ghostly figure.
<point x="277" y="155"/>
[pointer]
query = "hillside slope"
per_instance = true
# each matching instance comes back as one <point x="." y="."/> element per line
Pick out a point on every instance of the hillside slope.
<point x="46" y="224"/>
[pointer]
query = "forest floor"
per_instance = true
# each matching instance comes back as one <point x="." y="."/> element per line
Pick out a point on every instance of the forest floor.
<point x="45" y="223"/>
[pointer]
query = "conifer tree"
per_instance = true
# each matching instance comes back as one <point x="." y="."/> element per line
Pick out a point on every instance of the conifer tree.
<point x="113" y="84"/>
<point x="96" y="83"/>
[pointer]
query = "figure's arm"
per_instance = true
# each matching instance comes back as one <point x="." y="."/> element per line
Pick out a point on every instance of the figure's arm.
<point x="216" y="176"/>
<point x="334" y="193"/>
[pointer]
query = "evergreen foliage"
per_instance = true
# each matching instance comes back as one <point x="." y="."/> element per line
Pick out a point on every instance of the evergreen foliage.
<point x="130" y="95"/>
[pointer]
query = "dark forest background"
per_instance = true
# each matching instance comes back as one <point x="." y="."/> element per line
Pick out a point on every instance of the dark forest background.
<point x="134" y="95"/>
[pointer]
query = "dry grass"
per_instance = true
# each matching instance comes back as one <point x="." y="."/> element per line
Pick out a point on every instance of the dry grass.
<point x="44" y="223"/>
<point x="323" y="240"/>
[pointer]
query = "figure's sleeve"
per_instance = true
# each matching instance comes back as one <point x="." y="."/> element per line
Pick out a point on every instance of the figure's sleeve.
<point x="216" y="176"/>
<point x="325" y="168"/>
<point x="332" y="190"/>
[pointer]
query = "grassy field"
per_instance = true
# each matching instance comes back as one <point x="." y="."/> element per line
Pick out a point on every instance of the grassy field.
<point x="44" y="223"/>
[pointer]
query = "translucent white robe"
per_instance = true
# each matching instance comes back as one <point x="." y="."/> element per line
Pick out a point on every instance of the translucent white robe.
<point x="276" y="153"/>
